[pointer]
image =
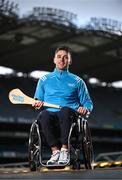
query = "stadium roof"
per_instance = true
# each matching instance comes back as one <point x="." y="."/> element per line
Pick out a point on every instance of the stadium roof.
<point x="30" y="46"/>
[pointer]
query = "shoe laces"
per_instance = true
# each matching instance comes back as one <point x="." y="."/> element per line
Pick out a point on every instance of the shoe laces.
<point x="55" y="154"/>
<point x="64" y="155"/>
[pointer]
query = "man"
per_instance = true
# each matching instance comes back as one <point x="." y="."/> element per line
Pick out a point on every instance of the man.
<point x="70" y="92"/>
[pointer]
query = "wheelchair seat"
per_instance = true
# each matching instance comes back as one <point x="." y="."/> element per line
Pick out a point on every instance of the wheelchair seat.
<point x="79" y="143"/>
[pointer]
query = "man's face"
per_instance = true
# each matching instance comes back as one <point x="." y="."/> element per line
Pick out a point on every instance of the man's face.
<point x="61" y="60"/>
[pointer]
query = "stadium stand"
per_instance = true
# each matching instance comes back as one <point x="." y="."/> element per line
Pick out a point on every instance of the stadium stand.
<point x="15" y="120"/>
<point x="97" y="52"/>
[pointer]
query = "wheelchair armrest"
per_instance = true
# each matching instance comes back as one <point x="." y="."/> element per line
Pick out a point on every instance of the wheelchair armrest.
<point x="85" y="116"/>
<point x="81" y="119"/>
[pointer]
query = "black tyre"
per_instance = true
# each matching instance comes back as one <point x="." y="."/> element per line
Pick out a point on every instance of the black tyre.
<point x="34" y="147"/>
<point x="87" y="145"/>
<point x="76" y="165"/>
<point x="33" y="166"/>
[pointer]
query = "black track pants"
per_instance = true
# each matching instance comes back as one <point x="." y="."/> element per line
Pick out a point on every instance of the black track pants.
<point x="56" y="124"/>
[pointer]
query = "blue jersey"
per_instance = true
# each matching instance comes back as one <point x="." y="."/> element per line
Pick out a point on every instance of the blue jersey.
<point x="63" y="88"/>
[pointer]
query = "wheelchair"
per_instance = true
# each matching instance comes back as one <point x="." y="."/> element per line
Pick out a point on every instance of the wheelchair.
<point x="79" y="143"/>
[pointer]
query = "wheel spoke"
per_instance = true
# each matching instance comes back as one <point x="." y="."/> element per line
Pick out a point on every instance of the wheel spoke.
<point x="87" y="146"/>
<point x="34" y="147"/>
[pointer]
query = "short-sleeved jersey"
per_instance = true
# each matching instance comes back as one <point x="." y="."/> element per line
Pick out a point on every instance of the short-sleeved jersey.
<point x="63" y="88"/>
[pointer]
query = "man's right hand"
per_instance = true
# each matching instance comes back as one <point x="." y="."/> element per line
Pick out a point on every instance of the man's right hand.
<point x="38" y="104"/>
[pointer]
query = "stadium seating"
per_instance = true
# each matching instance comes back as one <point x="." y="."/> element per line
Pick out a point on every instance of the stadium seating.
<point x="15" y="120"/>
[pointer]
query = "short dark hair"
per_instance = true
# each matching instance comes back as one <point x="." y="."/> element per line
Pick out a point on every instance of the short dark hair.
<point x="64" y="48"/>
<point x="67" y="49"/>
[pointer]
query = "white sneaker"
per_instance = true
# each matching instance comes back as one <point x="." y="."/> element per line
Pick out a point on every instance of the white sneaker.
<point x="64" y="157"/>
<point x="54" y="158"/>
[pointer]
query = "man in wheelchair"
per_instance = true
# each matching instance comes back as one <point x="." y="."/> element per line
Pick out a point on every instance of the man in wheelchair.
<point x="70" y="92"/>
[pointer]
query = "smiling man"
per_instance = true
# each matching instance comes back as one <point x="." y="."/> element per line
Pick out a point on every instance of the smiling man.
<point x="70" y="92"/>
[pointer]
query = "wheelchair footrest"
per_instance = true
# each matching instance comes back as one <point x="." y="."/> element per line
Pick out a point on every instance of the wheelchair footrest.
<point x="53" y="166"/>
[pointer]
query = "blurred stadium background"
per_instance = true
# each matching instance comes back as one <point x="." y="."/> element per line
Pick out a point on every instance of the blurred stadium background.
<point x="27" y="44"/>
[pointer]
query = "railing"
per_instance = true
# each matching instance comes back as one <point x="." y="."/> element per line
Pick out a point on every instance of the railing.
<point x="105" y="24"/>
<point x="111" y="156"/>
<point x="52" y="15"/>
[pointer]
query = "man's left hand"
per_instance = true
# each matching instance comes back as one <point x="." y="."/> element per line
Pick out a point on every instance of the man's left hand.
<point x="82" y="110"/>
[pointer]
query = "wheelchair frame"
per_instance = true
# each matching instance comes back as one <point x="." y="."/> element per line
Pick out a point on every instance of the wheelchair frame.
<point x="83" y="145"/>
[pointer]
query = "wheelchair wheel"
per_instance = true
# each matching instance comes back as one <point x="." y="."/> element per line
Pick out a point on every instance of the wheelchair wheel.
<point x="87" y="145"/>
<point x="76" y="165"/>
<point x="34" y="147"/>
<point x="75" y="145"/>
